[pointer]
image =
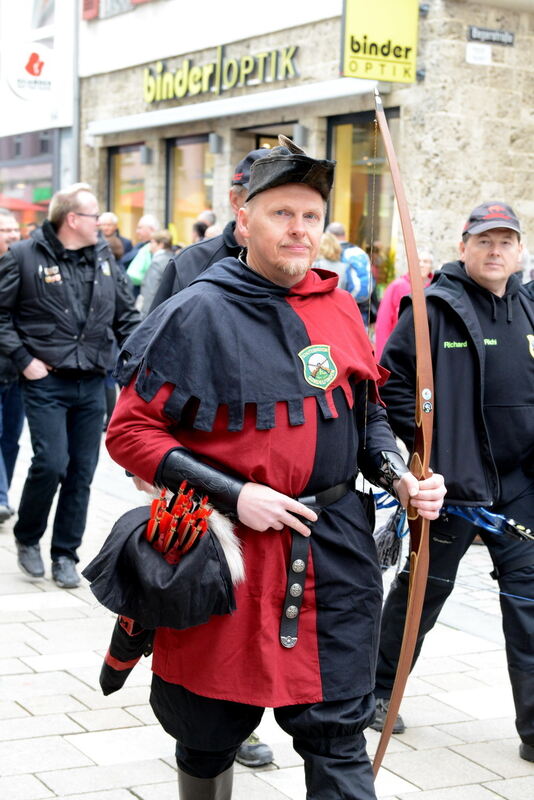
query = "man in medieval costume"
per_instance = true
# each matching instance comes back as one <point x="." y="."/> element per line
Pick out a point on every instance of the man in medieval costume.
<point x="257" y="384"/>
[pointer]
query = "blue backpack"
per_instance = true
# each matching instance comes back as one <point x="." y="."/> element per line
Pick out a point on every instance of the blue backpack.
<point x="358" y="278"/>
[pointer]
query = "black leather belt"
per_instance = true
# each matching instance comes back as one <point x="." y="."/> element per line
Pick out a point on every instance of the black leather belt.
<point x="298" y="562"/>
<point x="327" y="496"/>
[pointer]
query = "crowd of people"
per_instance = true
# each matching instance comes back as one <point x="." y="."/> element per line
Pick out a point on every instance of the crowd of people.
<point x="270" y="401"/>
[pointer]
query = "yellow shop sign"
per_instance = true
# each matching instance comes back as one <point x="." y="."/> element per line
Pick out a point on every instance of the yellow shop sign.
<point x="220" y="75"/>
<point x="379" y="39"/>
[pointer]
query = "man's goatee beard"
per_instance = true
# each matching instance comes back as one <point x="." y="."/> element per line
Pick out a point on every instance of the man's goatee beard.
<point x="294" y="269"/>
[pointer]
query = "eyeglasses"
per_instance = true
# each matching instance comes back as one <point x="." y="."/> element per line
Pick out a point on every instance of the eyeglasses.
<point x="9" y="230"/>
<point x="93" y="216"/>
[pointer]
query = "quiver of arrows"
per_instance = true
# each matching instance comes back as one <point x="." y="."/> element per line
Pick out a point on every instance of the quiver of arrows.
<point x="173" y="530"/>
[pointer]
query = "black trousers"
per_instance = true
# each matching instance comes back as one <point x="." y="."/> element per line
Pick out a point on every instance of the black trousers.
<point x="65" y="419"/>
<point x="513" y="562"/>
<point x="328" y="736"/>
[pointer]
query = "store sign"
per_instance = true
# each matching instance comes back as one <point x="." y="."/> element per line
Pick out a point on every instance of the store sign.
<point x="379" y="40"/>
<point x="29" y="71"/>
<point x="490" y="36"/>
<point x="220" y="75"/>
<point x="37" y="48"/>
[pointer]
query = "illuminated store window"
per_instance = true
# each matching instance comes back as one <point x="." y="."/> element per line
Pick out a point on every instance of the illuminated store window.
<point x="190" y="189"/>
<point x="363" y="196"/>
<point x="127" y="187"/>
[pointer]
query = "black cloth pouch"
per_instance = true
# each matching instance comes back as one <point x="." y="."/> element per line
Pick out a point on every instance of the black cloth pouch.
<point x="131" y="578"/>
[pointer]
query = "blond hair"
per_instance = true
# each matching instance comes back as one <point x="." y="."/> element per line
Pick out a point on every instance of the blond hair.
<point x="64" y="201"/>
<point x="163" y="237"/>
<point x="329" y="247"/>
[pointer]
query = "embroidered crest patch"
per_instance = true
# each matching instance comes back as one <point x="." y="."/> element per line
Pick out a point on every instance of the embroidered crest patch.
<point x="530" y="338"/>
<point x="319" y="367"/>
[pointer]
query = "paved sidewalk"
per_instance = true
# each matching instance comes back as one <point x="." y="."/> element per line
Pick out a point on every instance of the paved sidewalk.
<point x="60" y="738"/>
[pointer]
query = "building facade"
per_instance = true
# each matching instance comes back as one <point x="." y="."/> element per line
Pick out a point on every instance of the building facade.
<point x="167" y="110"/>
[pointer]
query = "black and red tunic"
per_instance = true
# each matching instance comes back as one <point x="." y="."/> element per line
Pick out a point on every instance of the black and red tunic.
<point x="277" y="386"/>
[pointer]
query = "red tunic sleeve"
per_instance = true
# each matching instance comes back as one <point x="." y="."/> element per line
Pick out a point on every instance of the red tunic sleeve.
<point x="139" y="433"/>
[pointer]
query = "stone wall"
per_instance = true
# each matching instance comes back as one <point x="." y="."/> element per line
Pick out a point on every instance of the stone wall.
<point x="467" y="131"/>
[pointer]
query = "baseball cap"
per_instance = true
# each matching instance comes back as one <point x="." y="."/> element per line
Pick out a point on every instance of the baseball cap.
<point x="241" y="175"/>
<point x="493" y="214"/>
<point x="288" y="163"/>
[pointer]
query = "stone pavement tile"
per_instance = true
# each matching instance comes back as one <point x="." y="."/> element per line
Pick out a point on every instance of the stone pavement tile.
<point x="50" y="704"/>
<point x="450" y="642"/>
<point x="61" y="613"/>
<point x="282" y="782"/>
<point x="493" y="676"/>
<point x="389" y="785"/>
<point x="38" y="602"/>
<point x="69" y="661"/>
<point x="418" y="686"/>
<point x="16" y="583"/>
<point x="482" y="730"/>
<point x="395" y="745"/>
<point x="426" y="738"/>
<point x="18" y="632"/>
<point x="436" y="769"/>
<point x="59" y="636"/>
<point x="23" y="787"/>
<point x="13" y="666"/>
<point x="15" y="649"/>
<point x="453" y="681"/>
<point x="20" y="687"/>
<point x="114" y="794"/>
<point x="116" y="776"/>
<point x="436" y="666"/>
<point x="501" y="757"/>
<point x="143" y="713"/>
<point x="167" y="791"/>
<point x="427" y="710"/>
<point x="125" y="745"/>
<point x="127" y="696"/>
<point x="483" y="703"/>
<point x="33" y="727"/>
<point x="487" y="660"/>
<point x="513" y="789"/>
<point x="51" y="752"/>
<point x="105" y="719"/>
<point x="18" y="616"/>
<point x="10" y="710"/>
<point x="277" y="785"/>
<point x="471" y="792"/>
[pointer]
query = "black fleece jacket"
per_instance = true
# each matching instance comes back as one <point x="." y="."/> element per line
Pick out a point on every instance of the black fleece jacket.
<point x="484" y="399"/>
<point x="187" y="265"/>
<point x="63" y="307"/>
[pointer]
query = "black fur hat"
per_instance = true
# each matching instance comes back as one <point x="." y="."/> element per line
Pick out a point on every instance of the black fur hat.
<point x="288" y="163"/>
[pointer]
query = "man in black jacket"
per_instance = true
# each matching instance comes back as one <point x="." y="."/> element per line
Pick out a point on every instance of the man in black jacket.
<point x="190" y="262"/>
<point x="482" y="340"/>
<point x="63" y="301"/>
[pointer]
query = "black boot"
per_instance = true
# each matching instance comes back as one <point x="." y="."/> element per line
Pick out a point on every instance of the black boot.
<point x="218" y="788"/>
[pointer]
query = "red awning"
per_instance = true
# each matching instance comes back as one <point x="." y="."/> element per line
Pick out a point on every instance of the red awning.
<point x="16" y="204"/>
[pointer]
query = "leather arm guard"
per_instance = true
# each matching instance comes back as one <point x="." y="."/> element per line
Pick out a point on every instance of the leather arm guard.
<point x="182" y="465"/>
<point x="390" y="468"/>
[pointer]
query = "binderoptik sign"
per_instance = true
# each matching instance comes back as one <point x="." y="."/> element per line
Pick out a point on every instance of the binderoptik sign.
<point x="219" y="75"/>
<point x="379" y="40"/>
